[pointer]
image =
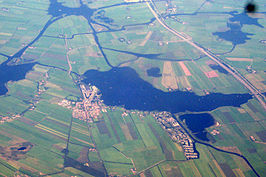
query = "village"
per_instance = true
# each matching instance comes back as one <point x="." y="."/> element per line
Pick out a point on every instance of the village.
<point x="89" y="110"/>
<point x="9" y="118"/>
<point x="177" y="134"/>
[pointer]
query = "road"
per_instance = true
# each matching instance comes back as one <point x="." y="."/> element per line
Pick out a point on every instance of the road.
<point x="68" y="60"/>
<point x="254" y="91"/>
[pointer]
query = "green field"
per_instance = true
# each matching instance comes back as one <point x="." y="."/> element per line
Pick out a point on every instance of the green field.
<point x="127" y="35"/>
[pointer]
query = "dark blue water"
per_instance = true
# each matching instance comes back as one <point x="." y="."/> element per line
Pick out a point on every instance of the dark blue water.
<point x="245" y="19"/>
<point x="218" y="68"/>
<point x="12" y="73"/>
<point x="155" y="56"/>
<point x="149" y="56"/>
<point x="124" y="87"/>
<point x="154" y="72"/>
<point x="22" y="148"/>
<point x="197" y="124"/>
<point x="57" y="9"/>
<point x="234" y="34"/>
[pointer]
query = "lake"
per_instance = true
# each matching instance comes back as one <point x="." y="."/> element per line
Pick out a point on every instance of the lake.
<point x="197" y="124"/>
<point x="124" y="87"/>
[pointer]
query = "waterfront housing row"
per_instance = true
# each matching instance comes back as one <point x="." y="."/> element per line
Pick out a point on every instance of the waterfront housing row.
<point x="177" y="133"/>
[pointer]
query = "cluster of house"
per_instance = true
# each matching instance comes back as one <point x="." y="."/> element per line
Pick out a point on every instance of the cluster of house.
<point x="215" y="132"/>
<point x="41" y="85"/>
<point x="66" y="103"/>
<point x="177" y="133"/>
<point x="10" y="118"/>
<point x="124" y="114"/>
<point x="90" y="108"/>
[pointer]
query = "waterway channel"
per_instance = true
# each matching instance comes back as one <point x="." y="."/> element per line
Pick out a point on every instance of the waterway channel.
<point x="123" y="86"/>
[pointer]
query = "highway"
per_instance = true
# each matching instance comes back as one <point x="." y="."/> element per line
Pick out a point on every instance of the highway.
<point x="254" y="91"/>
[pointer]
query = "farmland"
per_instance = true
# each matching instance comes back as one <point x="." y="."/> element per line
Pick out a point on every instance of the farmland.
<point x="47" y="47"/>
